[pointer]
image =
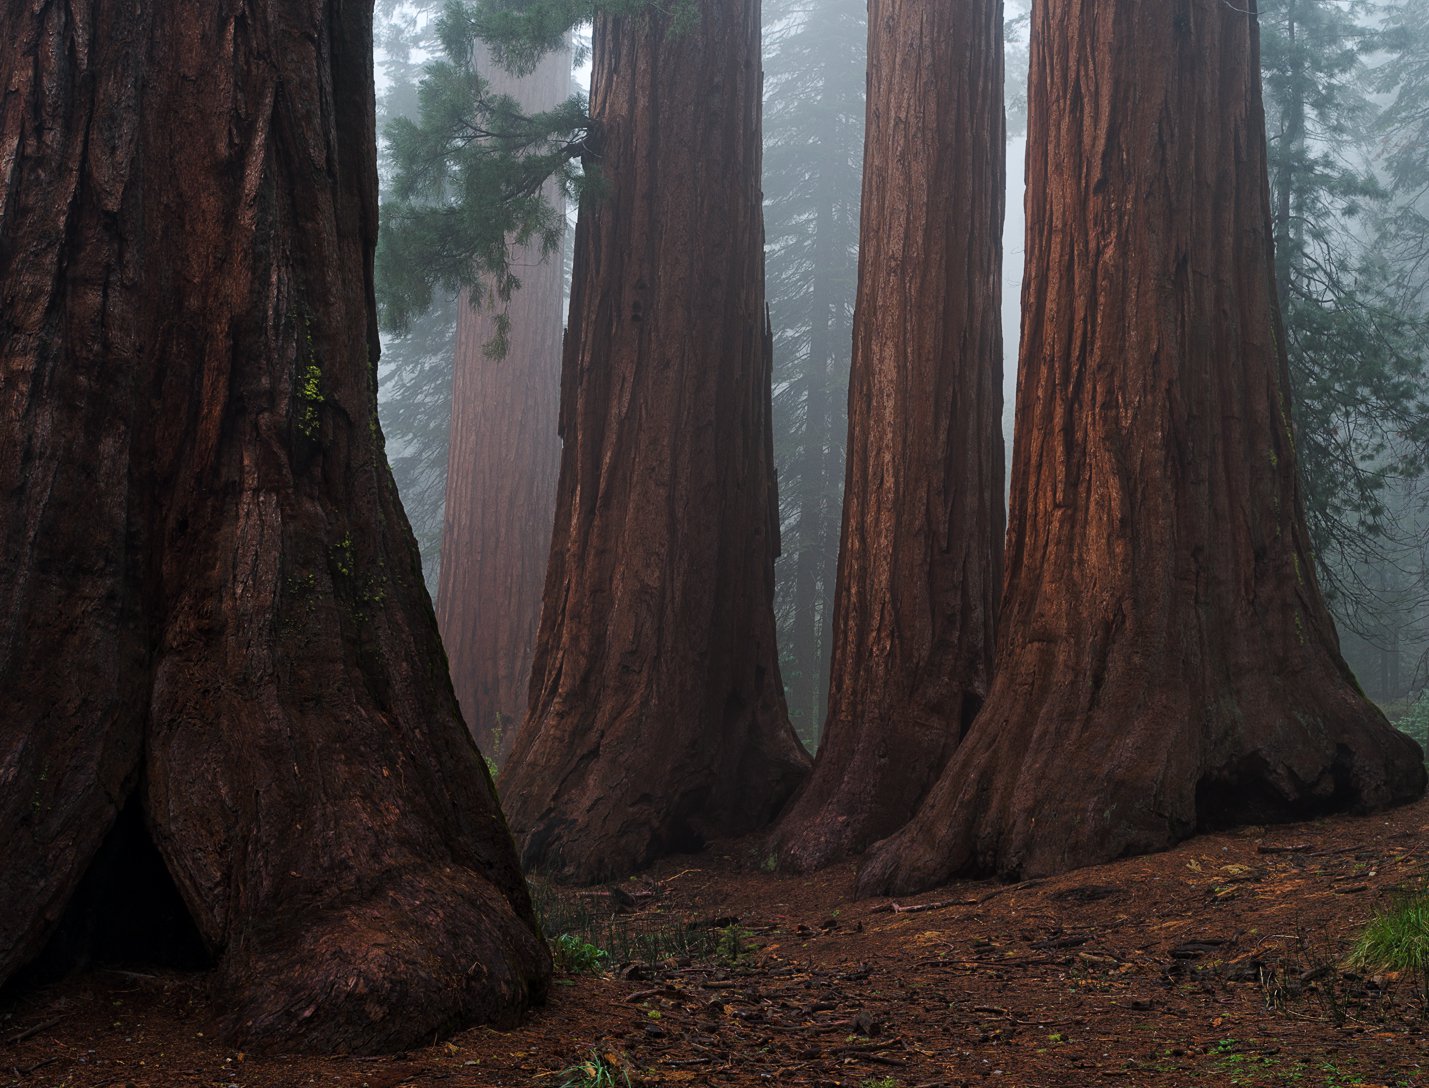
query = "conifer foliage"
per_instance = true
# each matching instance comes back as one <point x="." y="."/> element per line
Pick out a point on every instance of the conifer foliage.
<point x="814" y="76"/>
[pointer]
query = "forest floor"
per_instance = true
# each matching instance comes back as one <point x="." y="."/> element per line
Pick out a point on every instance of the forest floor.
<point x="1216" y="963"/>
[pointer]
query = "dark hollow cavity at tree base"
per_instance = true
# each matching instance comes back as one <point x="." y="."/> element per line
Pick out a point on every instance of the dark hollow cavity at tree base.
<point x="126" y="913"/>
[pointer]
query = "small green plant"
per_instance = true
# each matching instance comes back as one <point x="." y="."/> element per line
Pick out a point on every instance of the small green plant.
<point x="310" y="392"/>
<point x="734" y="946"/>
<point x="880" y="1082"/>
<point x="575" y="956"/>
<point x="1396" y="940"/>
<point x="597" y="1071"/>
<point x="1335" y="1077"/>
<point x="342" y="557"/>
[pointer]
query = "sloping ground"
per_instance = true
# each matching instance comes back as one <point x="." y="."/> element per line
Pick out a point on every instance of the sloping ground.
<point x="1214" y="964"/>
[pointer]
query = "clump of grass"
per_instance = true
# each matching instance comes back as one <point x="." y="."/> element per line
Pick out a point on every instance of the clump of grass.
<point x="1396" y="941"/>
<point x="596" y="1071"/>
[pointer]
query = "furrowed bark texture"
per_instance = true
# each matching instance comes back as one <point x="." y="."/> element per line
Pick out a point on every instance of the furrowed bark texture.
<point x="1166" y="663"/>
<point x="657" y="716"/>
<point x="921" y="563"/>
<point x="501" y="471"/>
<point x="208" y="590"/>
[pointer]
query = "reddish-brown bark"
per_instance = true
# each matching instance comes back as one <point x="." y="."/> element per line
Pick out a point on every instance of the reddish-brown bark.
<point x="208" y="591"/>
<point x="657" y="716"/>
<point x="501" y="470"/>
<point x="921" y="561"/>
<point x="1166" y="663"/>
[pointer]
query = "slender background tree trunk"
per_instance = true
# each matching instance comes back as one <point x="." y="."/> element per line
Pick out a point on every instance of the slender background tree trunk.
<point x="921" y="561"/>
<point x="209" y="596"/>
<point x="657" y="715"/>
<point x="807" y="695"/>
<point x="1290" y="152"/>
<point x="501" y="470"/>
<point x="1166" y="663"/>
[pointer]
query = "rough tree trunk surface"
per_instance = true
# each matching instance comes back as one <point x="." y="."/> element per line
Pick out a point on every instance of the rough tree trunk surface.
<point x="208" y="591"/>
<point x="657" y="715"/>
<point x="501" y="471"/>
<point x="920" y="567"/>
<point x="1166" y="662"/>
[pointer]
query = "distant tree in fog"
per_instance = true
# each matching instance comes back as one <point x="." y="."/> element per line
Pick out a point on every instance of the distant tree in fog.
<point x="814" y="69"/>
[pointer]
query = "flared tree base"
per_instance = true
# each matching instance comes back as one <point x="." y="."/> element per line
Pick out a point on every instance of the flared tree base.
<point x="633" y="803"/>
<point x="1047" y="784"/>
<point x="430" y="952"/>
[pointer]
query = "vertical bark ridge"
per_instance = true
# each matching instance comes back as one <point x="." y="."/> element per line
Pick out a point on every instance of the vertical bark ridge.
<point x="920" y="565"/>
<point x="214" y="595"/>
<point x="1166" y="663"/>
<point x="657" y="715"/>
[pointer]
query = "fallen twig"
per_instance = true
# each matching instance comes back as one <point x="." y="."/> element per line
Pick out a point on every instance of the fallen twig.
<point x="920" y="908"/>
<point x="33" y="1031"/>
<point x="38" y="1065"/>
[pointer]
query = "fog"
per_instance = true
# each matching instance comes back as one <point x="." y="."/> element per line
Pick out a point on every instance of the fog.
<point x="1363" y="437"/>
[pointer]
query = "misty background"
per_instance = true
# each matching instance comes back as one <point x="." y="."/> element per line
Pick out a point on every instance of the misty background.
<point x="1347" y="96"/>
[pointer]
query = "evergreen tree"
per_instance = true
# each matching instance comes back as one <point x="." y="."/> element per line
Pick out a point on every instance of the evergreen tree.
<point x="1017" y="58"/>
<point x="468" y="181"/>
<point x="415" y="376"/>
<point x="1404" y="131"/>
<point x="1357" y="350"/>
<point x="465" y="176"/>
<point x="815" y="75"/>
<point x="1393" y="652"/>
<point x="503" y="459"/>
<point x="414" y="393"/>
<point x="814" y="62"/>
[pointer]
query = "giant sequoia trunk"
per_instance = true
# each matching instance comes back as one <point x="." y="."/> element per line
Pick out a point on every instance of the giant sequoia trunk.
<point x="921" y="561"/>
<point x="657" y="717"/>
<point x="501" y="470"/>
<point x="1166" y="663"/>
<point x="210" y="601"/>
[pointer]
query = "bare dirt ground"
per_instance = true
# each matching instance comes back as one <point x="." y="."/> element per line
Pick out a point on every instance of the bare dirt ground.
<point x="1217" y="963"/>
